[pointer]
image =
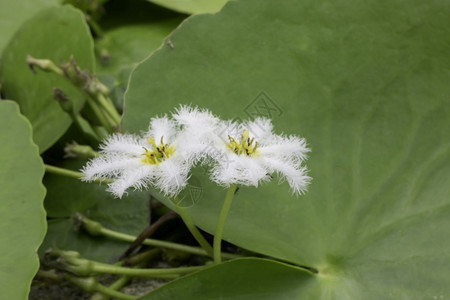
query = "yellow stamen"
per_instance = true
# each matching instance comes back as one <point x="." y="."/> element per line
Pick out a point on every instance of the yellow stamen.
<point x="244" y="146"/>
<point x="158" y="153"/>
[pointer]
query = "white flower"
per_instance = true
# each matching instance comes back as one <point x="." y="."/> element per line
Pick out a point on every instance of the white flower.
<point x="252" y="153"/>
<point x="199" y="129"/>
<point x="156" y="159"/>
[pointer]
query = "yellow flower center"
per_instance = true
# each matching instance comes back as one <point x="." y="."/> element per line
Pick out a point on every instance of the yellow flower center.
<point x="244" y="146"/>
<point x="157" y="153"/>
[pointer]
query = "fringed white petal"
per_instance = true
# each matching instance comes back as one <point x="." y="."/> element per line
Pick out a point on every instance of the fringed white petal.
<point x="162" y="127"/>
<point x="226" y="129"/>
<point x="233" y="169"/>
<point x="195" y="119"/>
<point x="198" y="132"/>
<point x="292" y="146"/>
<point x="260" y="128"/>
<point x="293" y="173"/>
<point x="108" y="166"/>
<point x="275" y="154"/>
<point x="171" y="176"/>
<point x="137" y="178"/>
<point x="122" y="143"/>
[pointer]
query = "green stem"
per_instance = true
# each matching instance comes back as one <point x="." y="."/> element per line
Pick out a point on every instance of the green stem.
<point x="94" y="26"/>
<point x="107" y="105"/>
<point x="114" y="293"/>
<point x="50" y="274"/>
<point x="194" y="231"/>
<point x="155" y="273"/>
<point x="138" y="261"/>
<point x="70" y="173"/>
<point x="96" y="228"/>
<point x="221" y="222"/>
<point x="85" y="127"/>
<point x="116" y="285"/>
<point x="99" y="114"/>
<point x="91" y="285"/>
<point x="63" y="172"/>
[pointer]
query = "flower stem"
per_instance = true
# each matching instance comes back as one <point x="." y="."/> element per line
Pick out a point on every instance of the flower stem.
<point x="221" y="222"/>
<point x="194" y="231"/>
<point x="96" y="228"/>
<point x="71" y="173"/>
<point x="63" y="172"/>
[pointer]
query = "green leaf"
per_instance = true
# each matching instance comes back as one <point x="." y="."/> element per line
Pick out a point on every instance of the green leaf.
<point x="56" y="34"/>
<point x="22" y="215"/>
<point x="68" y="196"/>
<point x="129" y="215"/>
<point x="251" y="278"/>
<point x="366" y="83"/>
<point x="14" y="13"/>
<point x="192" y="6"/>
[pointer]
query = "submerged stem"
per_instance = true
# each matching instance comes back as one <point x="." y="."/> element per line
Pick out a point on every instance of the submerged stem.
<point x="221" y="222"/>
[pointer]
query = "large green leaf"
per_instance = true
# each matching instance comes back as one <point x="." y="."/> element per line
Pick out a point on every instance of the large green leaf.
<point x="22" y="215"/>
<point x="366" y="83"/>
<point x="192" y="6"/>
<point x="14" y="13"/>
<point x="249" y="278"/>
<point x="57" y="34"/>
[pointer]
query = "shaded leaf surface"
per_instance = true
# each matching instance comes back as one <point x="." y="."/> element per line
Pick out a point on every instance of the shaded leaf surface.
<point x="132" y="31"/>
<point x="22" y="216"/>
<point x="366" y="83"/>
